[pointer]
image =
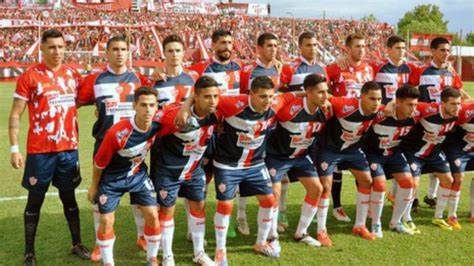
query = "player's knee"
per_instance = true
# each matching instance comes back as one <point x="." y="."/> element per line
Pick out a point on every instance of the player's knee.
<point x="446" y="180"/>
<point x="225" y="207"/>
<point x="406" y="182"/>
<point x="267" y="201"/>
<point x="379" y="185"/>
<point x="165" y="214"/>
<point x="197" y="209"/>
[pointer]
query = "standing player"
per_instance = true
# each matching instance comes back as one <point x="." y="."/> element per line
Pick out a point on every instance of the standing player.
<point x="459" y="150"/>
<point x="119" y="168"/>
<point x="340" y="146"/>
<point x="179" y="168"/>
<point x="432" y="80"/>
<point x="287" y="151"/>
<point x="111" y="90"/>
<point x="266" y="63"/>
<point x="226" y="71"/>
<point x="292" y="77"/>
<point x="49" y="91"/>
<point x="175" y="83"/>
<point x="294" y="73"/>
<point x="386" y="160"/>
<point x="422" y="148"/>
<point x="222" y="67"/>
<point x="347" y="82"/>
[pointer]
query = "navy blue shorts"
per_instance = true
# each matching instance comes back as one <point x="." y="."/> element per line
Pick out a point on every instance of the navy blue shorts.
<point x="111" y="189"/>
<point x="434" y="164"/>
<point x="327" y="160"/>
<point x="169" y="188"/>
<point x="387" y="165"/>
<point x="251" y="181"/>
<point x="460" y="162"/>
<point x="60" y="168"/>
<point x="295" y="168"/>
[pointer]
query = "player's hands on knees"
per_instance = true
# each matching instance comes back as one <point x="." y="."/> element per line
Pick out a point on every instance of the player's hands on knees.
<point x="16" y="160"/>
<point x="92" y="193"/>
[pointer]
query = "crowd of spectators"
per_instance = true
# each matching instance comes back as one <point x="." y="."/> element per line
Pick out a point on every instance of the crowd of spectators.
<point x="82" y="39"/>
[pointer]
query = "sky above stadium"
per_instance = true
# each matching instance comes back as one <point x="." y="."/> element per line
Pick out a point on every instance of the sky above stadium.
<point x="459" y="13"/>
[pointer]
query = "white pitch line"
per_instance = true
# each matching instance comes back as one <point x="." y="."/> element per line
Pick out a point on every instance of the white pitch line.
<point x="49" y="194"/>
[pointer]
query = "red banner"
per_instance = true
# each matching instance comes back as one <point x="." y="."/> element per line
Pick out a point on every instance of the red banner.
<point x="420" y="42"/>
<point x="113" y="5"/>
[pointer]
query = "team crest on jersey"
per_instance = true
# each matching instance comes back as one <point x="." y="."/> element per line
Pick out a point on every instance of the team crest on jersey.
<point x="222" y="187"/>
<point x="413" y="166"/>
<point x="457" y="162"/>
<point x="430" y="109"/>
<point x="324" y="166"/>
<point x="33" y="180"/>
<point x="163" y="194"/>
<point x="239" y="104"/>
<point x="469" y="114"/>
<point x="121" y="134"/>
<point x="103" y="199"/>
<point x="294" y="109"/>
<point x="272" y="171"/>
<point x="348" y="108"/>
<point x="373" y="166"/>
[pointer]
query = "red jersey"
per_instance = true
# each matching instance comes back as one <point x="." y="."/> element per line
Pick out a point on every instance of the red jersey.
<point x="257" y="69"/>
<point x="51" y="100"/>
<point x="348" y="82"/>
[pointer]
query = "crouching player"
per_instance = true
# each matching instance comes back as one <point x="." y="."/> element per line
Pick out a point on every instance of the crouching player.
<point x="119" y="168"/>
<point x="178" y="161"/>
<point x="386" y="159"/>
<point x="287" y="151"/>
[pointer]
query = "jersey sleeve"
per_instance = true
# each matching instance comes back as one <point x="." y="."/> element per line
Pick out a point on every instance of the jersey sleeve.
<point x="23" y="89"/>
<point x="85" y="94"/>
<point x="144" y="81"/>
<point x="198" y="68"/>
<point x="230" y="105"/>
<point x="415" y="74"/>
<point x="244" y="79"/>
<point x="107" y="150"/>
<point x="166" y="121"/>
<point x="457" y="82"/>
<point x="285" y="76"/>
<point x="282" y="100"/>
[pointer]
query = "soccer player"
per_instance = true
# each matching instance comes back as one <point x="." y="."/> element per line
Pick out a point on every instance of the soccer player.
<point x="49" y="90"/>
<point x="294" y="73"/>
<point x="226" y="71"/>
<point x="394" y="71"/>
<point x="179" y="168"/>
<point x="459" y="150"/>
<point x="119" y="168"/>
<point x="112" y="90"/>
<point x="239" y="160"/>
<point x="292" y="77"/>
<point x="175" y="83"/>
<point x="347" y="82"/>
<point x="422" y="148"/>
<point x="432" y="80"/>
<point x="287" y="151"/>
<point x="266" y="63"/>
<point x="386" y="160"/>
<point x="222" y="68"/>
<point x="340" y="146"/>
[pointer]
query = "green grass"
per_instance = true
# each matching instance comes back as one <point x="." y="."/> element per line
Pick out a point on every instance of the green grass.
<point x="53" y="241"/>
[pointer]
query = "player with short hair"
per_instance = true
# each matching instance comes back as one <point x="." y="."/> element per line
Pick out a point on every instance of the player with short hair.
<point x="298" y="123"/>
<point x="422" y="148"/>
<point x="118" y="168"/>
<point x="386" y="160"/>
<point x="346" y="82"/>
<point x="340" y="146"/>
<point x="179" y="173"/>
<point x="432" y="80"/>
<point x="49" y="90"/>
<point x="111" y="90"/>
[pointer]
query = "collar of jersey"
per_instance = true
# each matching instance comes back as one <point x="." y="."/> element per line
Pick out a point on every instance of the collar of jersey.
<point x="433" y="64"/>
<point x="259" y="63"/>
<point x="306" y="61"/>
<point x="214" y="59"/>
<point x="109" y="69"/>
<point x="194" y="113"/>
<point x="132" y="121"/>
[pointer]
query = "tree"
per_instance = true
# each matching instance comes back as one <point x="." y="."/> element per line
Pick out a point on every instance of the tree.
<point x="423" y="19"/>
<point x="371" y="18"/>
<point x="470" y="39"/>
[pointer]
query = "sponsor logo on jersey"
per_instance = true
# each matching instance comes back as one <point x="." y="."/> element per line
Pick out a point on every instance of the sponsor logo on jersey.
<point x="348" y="108"/>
